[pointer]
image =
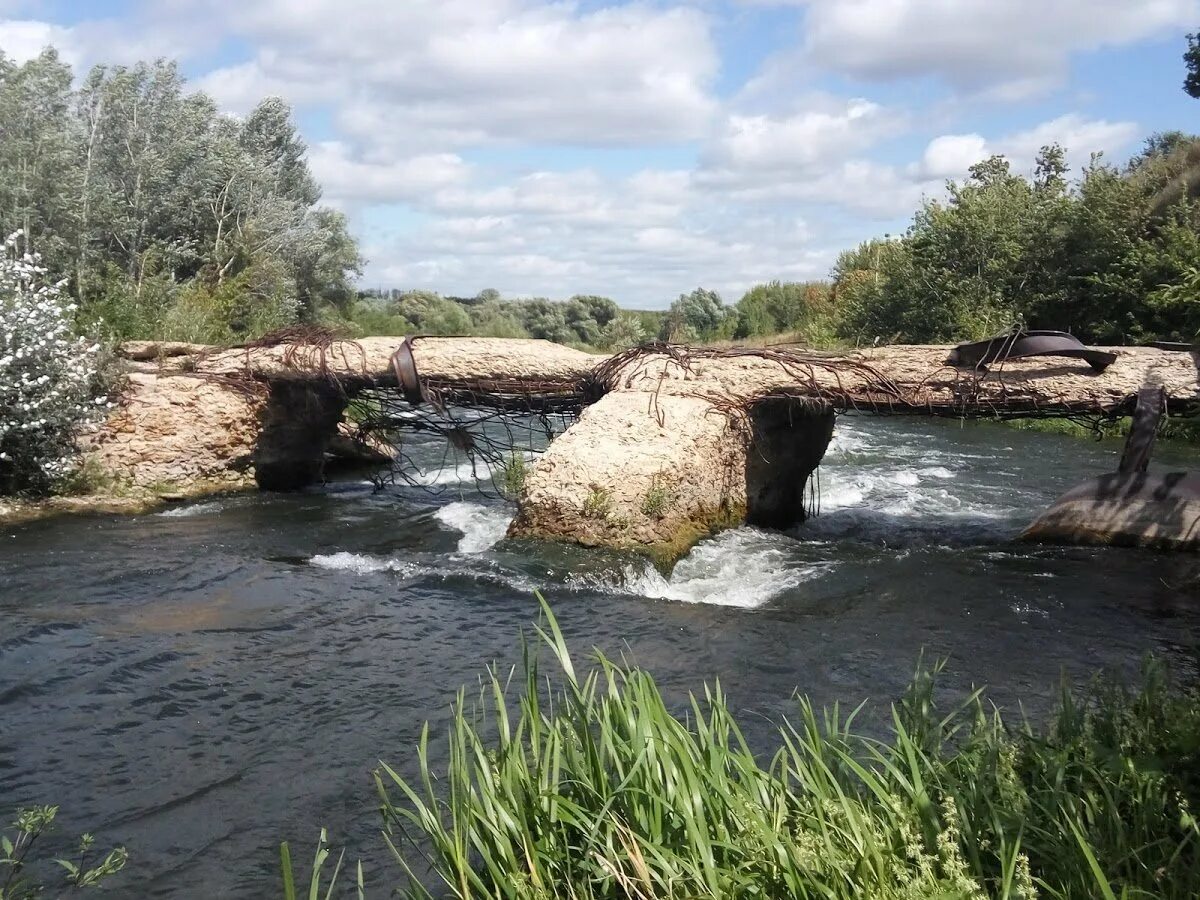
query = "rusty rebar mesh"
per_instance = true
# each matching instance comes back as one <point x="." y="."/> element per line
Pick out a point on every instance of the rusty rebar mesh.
<point x="482" y="441"/>
<point x="307" y="348"/>
<point x="490" y="422"/>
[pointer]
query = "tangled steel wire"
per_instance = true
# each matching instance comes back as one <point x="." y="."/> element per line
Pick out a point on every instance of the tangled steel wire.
<point x="491" y="421"/>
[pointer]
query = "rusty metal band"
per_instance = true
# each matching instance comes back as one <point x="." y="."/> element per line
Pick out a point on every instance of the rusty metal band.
<point x="1151" y="407"/>
<point x="405" y="367"/>
<point x="1024" y="344"/>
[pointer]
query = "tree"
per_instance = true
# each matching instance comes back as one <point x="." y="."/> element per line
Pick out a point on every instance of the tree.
<point x="778" y="307"/>
<point x="695" y="316"/>
<point x="1191" y="59"/>
<point x="36" y="172"/>
<point x="623" y="332"/>
<point x="588" y="316"/>
<point x="547" y="320"/>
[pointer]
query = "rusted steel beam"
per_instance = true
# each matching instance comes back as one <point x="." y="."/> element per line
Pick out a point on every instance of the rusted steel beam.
<point x="1151" y="407"/>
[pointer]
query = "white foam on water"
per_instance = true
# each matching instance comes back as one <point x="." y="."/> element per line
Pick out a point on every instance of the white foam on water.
<point x="938" y="472"/>
<point x="459" y="474"/>
<point x="743" y="567"/>
<point x="198" y="509"/>
<point x="365" y="564"/>
<point x="838" y="491"/>
<point x="359" y="563"/>
<point x="482" y="526"/>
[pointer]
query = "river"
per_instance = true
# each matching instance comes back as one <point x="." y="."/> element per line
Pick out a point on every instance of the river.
<point x="202" y="682"/>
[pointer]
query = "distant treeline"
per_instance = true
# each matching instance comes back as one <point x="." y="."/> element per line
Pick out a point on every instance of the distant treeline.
<point x="597" y="322"/>
<point x="582" y="320"/>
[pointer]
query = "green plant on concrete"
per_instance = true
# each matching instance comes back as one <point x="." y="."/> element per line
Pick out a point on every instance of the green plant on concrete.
<point x="657" y="500"/>
<point x="596" y="789"/>
<point x="599" y="503"/>
<point x="512" y="476"/>
<point x="18" y="880"/>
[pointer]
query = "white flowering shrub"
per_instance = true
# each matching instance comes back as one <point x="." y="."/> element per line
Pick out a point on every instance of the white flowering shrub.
<point x="48" y="376"/>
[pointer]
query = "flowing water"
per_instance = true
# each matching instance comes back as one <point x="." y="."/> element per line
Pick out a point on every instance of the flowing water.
<point x="203" y="682"/>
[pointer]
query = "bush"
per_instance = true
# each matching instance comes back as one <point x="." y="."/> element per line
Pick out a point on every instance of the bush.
<point x="48" y="376"/>
<point x="623" y="332"/>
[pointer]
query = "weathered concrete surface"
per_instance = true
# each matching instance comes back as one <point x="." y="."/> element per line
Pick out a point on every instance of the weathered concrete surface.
<point x="367" y="361"/>
<point x="655" y="476"/>
<point x="1132" y="509"/>
<point x="915" y="379"/>
<point x="192" y="416"/>
<point x="178" y="431"/>
<point x="675" y="448"/>
<point x="622" y="477"/>
<point x="668" y="426"/>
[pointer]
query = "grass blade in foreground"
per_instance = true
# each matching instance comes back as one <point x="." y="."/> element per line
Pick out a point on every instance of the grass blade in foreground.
<point x="598" y="791"/>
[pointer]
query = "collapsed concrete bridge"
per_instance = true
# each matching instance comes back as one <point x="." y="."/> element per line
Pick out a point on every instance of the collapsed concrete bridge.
<point x="667" y="443"/>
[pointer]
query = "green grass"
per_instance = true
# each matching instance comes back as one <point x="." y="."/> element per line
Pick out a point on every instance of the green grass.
<point x="658" y="500"/>
<point x="574" y="784"/>
<point x="25" y="876"/>
<point x="1172" y="429"/>
<point x="598" y="504"/>
<point x="513" y="475"/>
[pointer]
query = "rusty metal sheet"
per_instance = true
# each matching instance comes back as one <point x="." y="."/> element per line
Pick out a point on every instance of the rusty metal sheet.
<point x="405" y="367"/>
<point x="1024" y="344"/>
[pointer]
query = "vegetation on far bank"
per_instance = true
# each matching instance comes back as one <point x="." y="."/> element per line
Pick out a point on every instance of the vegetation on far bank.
<point x="1171" y="429"/>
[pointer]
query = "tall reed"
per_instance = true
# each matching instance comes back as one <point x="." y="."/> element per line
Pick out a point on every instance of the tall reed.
<point x="585" y="785"/>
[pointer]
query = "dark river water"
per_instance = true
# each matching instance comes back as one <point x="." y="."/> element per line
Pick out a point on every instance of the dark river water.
<point x="200" y="683"/>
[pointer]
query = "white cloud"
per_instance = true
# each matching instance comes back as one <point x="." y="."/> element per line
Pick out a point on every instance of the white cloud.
<point x="796" y="143"/>
<point x="951" y="155"/>
<point x="348" y="180"/>
<point x="23" y="39"/>
<point x="466" y="73"/>
<point x="1080" y="138"/>
<point x="1019" y="46"/>
<point x="426" y="109"/>
<point x="643" y="239"/>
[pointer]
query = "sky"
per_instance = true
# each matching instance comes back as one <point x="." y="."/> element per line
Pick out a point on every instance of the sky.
<point x="639" y="150"/>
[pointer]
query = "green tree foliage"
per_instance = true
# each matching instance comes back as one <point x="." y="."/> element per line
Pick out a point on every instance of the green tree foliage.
<point x="588" y="316"/>
<point x="169" y="219"/>
<point x="1191" y="59"/>
<point x="584" y="319"/>
<point x="625" y="331"/>
<point x="1105" y="257"/>
<point x="698" y="316"/>
<point x="780" y="307"/>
